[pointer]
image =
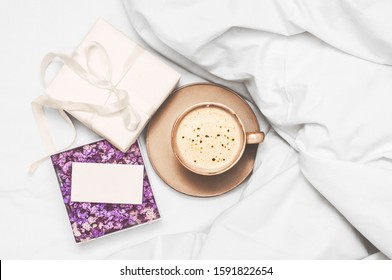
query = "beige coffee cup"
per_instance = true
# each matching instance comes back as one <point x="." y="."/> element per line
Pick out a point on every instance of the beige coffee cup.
<point x="209" y="138"/>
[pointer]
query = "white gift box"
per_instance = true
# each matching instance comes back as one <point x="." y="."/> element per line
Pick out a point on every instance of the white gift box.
<point x="108" y="67"/>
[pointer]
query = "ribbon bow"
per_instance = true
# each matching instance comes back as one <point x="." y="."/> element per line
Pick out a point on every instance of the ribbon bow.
<point x="100" y="78"/>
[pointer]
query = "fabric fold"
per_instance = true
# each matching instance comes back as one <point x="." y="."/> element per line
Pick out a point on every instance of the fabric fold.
<point x="362" y="193"/>
<point x="318" y="71"/>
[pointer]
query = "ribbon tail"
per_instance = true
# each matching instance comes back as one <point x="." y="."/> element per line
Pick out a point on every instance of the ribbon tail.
<point x="43" y="128"/>
<point x="38" y="110"/>
<point x="131" y="118"/>
<point x="37" y="163"/>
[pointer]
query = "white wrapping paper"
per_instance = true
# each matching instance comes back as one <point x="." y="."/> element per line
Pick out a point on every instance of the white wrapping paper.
<point x="118" y="66"/>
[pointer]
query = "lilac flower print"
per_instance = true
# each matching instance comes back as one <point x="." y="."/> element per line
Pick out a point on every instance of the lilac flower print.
<point x="93" y="220"/>
<point x="66" y="198"/>
<point x="119" y="155"/>
<point x="79" y="156"/>
<point x="94" y="210"/>
<point x="149" y="213"/>
<point x="108" y="155"/>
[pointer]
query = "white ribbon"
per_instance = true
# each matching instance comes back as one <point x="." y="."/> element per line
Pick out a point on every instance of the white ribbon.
<point x="100" y="79"/>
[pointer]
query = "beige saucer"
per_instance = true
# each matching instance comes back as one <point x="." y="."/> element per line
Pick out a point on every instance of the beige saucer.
<point x="159" y="138"/>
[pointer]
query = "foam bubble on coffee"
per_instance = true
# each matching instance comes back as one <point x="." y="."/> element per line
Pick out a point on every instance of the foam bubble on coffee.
<point x="209" y="138"/>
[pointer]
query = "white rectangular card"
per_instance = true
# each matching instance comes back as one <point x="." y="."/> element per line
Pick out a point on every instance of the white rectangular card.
<point x="107" y="183"/>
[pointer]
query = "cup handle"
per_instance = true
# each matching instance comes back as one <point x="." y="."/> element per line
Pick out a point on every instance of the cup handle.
<point x="254" y="137"/>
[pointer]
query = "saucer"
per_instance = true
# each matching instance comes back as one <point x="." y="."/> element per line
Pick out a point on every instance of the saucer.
<point x="164" y="161"/>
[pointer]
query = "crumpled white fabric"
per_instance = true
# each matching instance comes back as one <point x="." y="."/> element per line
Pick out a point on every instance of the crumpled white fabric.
<point x="320" y="72"/>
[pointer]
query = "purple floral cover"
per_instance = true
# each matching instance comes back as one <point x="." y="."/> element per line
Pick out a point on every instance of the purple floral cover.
<point x="93" y="220"/>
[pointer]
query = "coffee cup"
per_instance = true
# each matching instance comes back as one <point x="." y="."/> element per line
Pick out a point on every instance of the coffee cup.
<point x="209" y="138"/>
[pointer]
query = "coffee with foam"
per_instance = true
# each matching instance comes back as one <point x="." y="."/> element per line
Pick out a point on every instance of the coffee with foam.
<point x="209" y="139"/>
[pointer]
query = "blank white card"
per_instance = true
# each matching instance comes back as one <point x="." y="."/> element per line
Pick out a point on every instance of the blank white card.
<point x="107" y="183"/>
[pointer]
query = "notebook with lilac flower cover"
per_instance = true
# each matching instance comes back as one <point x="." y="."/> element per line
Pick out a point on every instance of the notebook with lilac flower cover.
<point x="93" y="220"/>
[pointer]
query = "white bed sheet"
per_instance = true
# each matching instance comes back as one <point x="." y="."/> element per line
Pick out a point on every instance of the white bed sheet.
<point x="320" y="72"/>
<point x="277" y="214"/>
<point x="33" y="220"/>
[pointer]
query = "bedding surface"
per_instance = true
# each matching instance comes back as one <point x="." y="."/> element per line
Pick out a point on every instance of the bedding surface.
<point x="319" y="71"/>
<point x="318" y="76"/>
<point x="34" y="223"/>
